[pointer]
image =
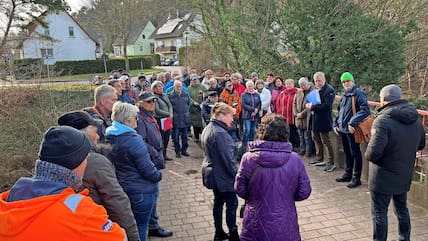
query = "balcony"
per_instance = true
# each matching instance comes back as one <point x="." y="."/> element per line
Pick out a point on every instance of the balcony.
<point x="167" y="49"/>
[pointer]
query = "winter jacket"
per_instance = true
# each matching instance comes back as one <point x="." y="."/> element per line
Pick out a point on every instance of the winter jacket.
<point x="397" y="135"/>
<point x="104" y="189"/>
<point x="135" y="171"/>
<point x="180" y="107"/>
<point x="265" y="97"/>
<point x="148" y="129"/>
<point x="302" y="123"/>
<point x="219" y="149"/>
<point x="346" y="116"/>
<point x="284" y="104"/>
<point x="96" y="114"/>
<point x="250" y="102"/>
<point x="163" y="107"/>
<point x="271" y="178"/>
<point x="232" y="99"/>
<point x="322" y="120"/>
<point x="275" y="93"/>
<point x="239" y="88"/>
<point x="197" y="93"/>
<point x="55" y="212"/>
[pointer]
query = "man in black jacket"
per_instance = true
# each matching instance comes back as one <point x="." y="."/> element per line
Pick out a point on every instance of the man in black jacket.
<point x="322" y="122"/>
<point x="397" y="135"/>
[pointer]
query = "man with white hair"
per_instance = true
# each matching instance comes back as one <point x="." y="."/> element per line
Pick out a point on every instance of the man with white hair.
<point x="180" y="102"/>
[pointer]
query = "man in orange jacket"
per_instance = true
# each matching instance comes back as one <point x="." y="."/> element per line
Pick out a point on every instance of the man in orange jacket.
<point x="46" y="206"/>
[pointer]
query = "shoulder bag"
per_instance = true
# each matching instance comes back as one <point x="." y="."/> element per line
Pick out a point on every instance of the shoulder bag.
<point x="362" y="132"/>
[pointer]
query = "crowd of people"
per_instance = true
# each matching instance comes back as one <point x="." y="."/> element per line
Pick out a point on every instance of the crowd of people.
<point x="116" y="149"/>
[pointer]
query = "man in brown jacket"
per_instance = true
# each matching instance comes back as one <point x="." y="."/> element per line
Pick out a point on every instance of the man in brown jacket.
<point x="100" y="177"/>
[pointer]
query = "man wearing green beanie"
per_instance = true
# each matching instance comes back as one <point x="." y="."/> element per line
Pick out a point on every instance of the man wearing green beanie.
<point x="344" y="126"/>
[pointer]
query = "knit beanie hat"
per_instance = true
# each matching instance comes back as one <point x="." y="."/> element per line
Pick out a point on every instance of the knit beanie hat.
<point x="346" y="76"/>
<point x="65" y="146"/>
<point x="390" y="93"/>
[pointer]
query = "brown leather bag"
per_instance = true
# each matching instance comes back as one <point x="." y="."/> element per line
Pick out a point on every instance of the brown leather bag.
<point x="362" y="132"/>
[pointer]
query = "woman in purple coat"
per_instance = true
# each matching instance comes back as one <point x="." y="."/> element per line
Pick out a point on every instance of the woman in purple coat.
<point x="271" y="178"/>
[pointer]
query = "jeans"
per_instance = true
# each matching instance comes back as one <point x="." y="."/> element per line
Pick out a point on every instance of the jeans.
<point x="154" y="218"/>
<point x="249" y="131"/>
<point x="165" y="139"/>
<point x="354" y="159"/>
<point x="142" y="205"/>
<point x="379" y="206"/>
<point x="180" y="133"/>
<point x="306" y="142"/>
<point x="231" y="205"/>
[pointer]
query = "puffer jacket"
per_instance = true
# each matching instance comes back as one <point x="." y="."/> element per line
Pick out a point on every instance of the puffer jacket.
<point x="271" y="178"/>
<point x="197" y="93"/>
<point x="163" y="107"/>
<point x="397" y="135"/>
<point x="249" y="102"/>
<point x="284" y="104"/>
<point x="346" y="116"/>
<point x="302" y="123"/>
<point x="180" y="107"/>
<point x="232" y="99"/>
<point x="219" y="149"/>
<point x="54" y="211"/>
<point x="135" y="171"/>
<point x="265" y="97"/>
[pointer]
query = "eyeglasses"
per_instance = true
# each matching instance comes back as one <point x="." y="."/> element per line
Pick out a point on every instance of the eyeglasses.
<point x="150" y="101"/>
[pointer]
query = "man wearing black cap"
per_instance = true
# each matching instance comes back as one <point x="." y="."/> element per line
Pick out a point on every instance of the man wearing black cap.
<point x="100" y="177"/>
<point x="391" y="155"/>
<point x="148" y="129"/>
<point x="46" y="206"/>
<point x="207" y="105"/>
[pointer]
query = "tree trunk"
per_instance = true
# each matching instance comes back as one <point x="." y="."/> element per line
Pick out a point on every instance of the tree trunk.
<point x="125" y="54"/>
<point x="422" y="93"/>
<point x="8" y="26"/>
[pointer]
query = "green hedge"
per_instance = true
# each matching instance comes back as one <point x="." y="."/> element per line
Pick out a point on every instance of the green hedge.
<point x="28" y="68"/>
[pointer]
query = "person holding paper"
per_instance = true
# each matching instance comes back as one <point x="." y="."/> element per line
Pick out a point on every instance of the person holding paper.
<point x="148" y="129"/>
<point x="322" y="122"/>
<point x="163" y="109"/>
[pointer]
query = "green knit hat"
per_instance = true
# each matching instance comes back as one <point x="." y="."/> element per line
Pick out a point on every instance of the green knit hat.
<point x="346" y="76"/>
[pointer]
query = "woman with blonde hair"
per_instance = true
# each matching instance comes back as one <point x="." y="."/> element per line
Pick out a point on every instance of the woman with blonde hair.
<point x="219" y="169"/>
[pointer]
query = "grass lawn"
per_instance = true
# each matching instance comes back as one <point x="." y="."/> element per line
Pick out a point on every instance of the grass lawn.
<point x="87" y="77"/>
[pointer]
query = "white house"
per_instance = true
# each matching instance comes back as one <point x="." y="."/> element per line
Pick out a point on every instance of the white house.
<point x="63" y="39"/>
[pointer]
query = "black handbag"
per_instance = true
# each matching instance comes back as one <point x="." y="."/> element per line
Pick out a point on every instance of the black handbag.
<point x="207" y="174"/>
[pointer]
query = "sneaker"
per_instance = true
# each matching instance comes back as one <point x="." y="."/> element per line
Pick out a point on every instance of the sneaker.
<point x="330" y="167"/>
<point x="313" y="162"/>
<point x="320" y="164"/>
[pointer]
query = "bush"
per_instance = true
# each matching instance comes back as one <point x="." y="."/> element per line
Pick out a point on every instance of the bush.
<point x="34" y="68"/>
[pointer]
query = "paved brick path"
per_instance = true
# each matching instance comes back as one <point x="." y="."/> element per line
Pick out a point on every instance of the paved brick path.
<point x="332" y="213"/>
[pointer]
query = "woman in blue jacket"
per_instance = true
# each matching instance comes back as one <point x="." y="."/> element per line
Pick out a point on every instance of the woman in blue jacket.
<point x="135" y="172"/>
<point x="251" y="104"/>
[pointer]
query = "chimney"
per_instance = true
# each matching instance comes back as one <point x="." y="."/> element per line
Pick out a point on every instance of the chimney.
<point x="178" y="13"/>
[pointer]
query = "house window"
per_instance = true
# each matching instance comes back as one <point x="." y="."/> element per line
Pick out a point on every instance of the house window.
<point x="46" y="53"/>
<point x="152" y="48"/>
<point x="46" y="31"/>
<point x="143" y="36"/>
<point x="161" y="44"/>
<point x="117" y="51"/>
<point x="141" y="48"/>
<point x="71" y="31"/>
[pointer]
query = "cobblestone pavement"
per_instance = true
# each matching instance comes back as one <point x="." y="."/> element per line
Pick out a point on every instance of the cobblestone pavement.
<point x="332" y="213"/>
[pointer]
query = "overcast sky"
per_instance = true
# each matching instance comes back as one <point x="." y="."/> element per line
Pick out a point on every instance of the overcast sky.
<point x="77" y="4"/>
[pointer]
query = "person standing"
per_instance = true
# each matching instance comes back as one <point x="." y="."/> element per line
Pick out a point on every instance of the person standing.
<point x="163" y="109"/>
<point x="105" y="96"/>
<point x="265" y="97"/>
<point x="135" y="172"/>
<point x="231" y="97"/>
<point x="251" y="104"/>
<point x="180" y="102"/>
<point x="218" y="150"/>
<point x="344" y="126"/>
<point x="100" y="177"/>
<point x="303" y="117"/>
<point x="47" y="206"/>
<point x="391" y="155"/>
<point x="270" y="213"/>
<point x="322" y="122"/>
<point x="196" y="92"/>
<point x="278" y="88"/>
<point x="284" y="107"/>
<point x="148" y="129"/>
